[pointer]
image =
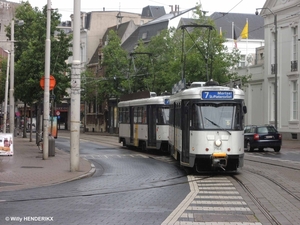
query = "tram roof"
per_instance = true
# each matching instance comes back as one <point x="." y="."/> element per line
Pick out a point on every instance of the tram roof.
<point x="196" y="92"/>
<point x="158" y="100"/>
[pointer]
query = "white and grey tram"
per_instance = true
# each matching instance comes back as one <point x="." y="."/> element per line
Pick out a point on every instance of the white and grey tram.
<point x="206" y="127"/>
<point x="144" y="121"/>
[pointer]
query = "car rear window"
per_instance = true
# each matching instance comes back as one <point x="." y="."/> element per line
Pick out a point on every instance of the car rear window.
<point x="262" y="130"/>
<point x="265" y="130"/>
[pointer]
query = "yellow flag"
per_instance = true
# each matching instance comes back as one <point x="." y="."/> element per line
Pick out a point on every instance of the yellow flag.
<point x="244" y="33"/>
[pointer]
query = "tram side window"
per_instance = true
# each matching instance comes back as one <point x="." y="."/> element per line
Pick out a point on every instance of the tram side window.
<point x="144" y="115"/>
<point x="135" y="114"/>
<point x="123" y="115"/>
<point x="126" y="115"/>
<point x="178" y="115"/>
<point x="163" y="116"/>
<point x="238" y="119"/>
<point x="139" y="114"/>
<point x="171" y="115"/>
<point x="196" y="117"/>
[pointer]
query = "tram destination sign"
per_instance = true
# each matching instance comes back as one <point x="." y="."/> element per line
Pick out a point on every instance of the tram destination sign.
<point x="220" y="95"/>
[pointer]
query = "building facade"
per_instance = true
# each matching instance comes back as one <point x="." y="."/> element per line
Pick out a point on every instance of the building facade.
<point x="261" y="91"/>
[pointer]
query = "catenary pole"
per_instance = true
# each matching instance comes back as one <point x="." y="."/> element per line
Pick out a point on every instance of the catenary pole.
<point x="47" y="84"/>
<point x="75" y="91"/>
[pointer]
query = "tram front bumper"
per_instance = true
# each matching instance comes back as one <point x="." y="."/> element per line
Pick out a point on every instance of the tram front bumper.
<point x="219" y="159"/>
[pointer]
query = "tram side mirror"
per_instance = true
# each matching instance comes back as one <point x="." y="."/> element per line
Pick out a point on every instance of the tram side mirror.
<point x="245" y="109"/>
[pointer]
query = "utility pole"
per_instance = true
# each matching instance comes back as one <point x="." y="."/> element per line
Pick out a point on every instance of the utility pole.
<point x="75" y="90"/>
<point x="47" y="84"/>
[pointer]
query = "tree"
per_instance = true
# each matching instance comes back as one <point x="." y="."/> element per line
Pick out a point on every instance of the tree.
<point x="200" y="56"/>
<point x="115" y="64"/>
<point x="3" y="71"/>
<point x="30" y="54"/>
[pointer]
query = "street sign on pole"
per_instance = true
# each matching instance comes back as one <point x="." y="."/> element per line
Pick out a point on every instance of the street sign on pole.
<point x="52" y="82"/>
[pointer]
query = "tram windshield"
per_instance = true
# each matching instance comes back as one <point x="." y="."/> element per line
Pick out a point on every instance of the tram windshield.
<point x="163" y="116"/>
<point x="210" y="116"/>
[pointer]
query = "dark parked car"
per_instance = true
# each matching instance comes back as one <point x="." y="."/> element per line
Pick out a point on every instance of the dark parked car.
<point x="264" y="136"/>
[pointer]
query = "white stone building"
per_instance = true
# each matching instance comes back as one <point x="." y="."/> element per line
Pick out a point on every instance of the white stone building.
<point x="260" y="91"/>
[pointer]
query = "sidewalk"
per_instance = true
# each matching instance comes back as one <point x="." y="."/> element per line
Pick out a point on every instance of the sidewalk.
<point x="27" y="169"/>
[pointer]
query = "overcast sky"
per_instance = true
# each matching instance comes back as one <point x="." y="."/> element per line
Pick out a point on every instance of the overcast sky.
<point x="65" y="7"/>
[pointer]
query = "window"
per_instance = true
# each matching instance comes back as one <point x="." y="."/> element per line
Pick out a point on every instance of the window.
<point x="163" y="116"/>
<point x="273" y="49"/>
<point x="242" y="62"/>
<point x="124" y="115"/>
<point x="294" y="100"/>
<point x="295" y="44"/>
<point x="144" y="35"/>
<point x="217" y="116"/>
<point x="140" y="114"/>
<point x="272" y="102"/>
<point x="294" y="61"/>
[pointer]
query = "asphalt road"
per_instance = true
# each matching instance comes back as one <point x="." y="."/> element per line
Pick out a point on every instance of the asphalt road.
<point x="127" y="188"/>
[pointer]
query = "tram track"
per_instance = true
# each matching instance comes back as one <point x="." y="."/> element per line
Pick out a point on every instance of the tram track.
<point x="272" y="219"/>
<point x="271" y="187"/>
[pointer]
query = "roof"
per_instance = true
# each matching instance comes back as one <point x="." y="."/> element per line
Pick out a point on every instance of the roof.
<point x="153" y="11"/>
<point x="152" y="28"/>
<point x="225" y="21"/>
<point x="121" y="29"/>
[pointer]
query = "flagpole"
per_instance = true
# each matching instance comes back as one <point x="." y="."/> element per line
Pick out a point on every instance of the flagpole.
<point x="247" y="37"/>
<point x="232" y="31"/>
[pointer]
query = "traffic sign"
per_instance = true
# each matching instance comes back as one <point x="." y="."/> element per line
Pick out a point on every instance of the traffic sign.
<point x="51" y="84"/>
<point x="57" y="112"/>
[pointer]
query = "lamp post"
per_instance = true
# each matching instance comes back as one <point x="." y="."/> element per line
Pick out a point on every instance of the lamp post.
<point x="6" y="93"/>
<point x="12" y="77"/>
<point x="276" y="63"/>
<point x="12" y="80"/>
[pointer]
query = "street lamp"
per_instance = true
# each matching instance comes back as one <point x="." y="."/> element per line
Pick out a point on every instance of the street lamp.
<point x="12" y="77"/>
<point x="6" y="93"/>
<point x="276" y="63"/>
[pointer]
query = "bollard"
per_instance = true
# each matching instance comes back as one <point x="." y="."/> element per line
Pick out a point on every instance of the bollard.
<point x="51" y="142"/>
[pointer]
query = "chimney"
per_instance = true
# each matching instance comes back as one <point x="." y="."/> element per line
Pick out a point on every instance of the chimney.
<point x="171" y="8"/>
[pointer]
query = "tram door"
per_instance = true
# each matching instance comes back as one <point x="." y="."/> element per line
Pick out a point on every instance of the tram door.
<point x="185" y="125"/>
<point x="131" y="113"/>
<point x="152" y="112"/>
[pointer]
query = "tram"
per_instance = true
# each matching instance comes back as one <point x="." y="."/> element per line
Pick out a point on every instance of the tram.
<point x="206" y="127"/>
<point x="144" y="121"/>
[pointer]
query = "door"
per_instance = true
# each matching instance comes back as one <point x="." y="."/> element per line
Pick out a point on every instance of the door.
<point x="185" y="127"/>
<point x="131" y="113"/>
<point x="152" y="121"/>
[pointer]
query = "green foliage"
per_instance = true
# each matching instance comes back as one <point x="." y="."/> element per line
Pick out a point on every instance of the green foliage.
<point x="162" y="62"/>
<point x="115" y="63"/>
<point x="3" y="69"/>
<point x="30" y="54"/>
<point x="196" y="54"/>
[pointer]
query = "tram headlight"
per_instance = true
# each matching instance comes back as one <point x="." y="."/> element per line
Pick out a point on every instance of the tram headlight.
<point x="218" y="142"/>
